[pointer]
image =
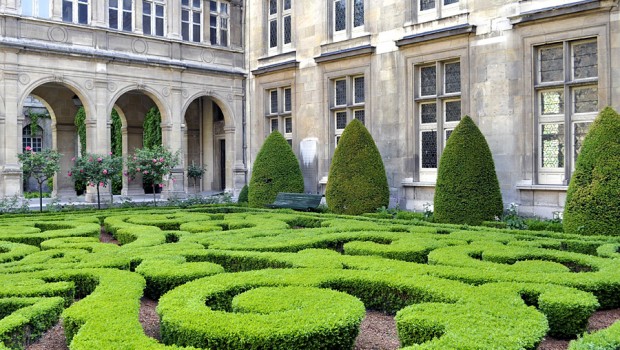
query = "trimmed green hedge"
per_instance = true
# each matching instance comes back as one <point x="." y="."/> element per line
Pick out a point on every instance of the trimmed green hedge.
<point x="357" y="182"/>
<point x="467" y="189"/>
<point x="276" y="169"/>
<point x="593" y="196"/>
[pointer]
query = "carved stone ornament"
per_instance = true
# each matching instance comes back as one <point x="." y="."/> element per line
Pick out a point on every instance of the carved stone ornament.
<point x="166" y="91"/>
<point x="112" y="87"/>
<point x="89" y="84"/>
<point x="207" y="56"/>
<point x="140" y="46"/>
<point x="23" y="78"/>
<point x="57" y="34"/>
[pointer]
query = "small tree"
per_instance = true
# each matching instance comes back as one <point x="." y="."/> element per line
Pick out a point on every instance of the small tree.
<point x="593" y="197"/>
<point x="467" y="190"/>
<point x="276" y="169"/>
<point x="154" y="164"/>
<point x="357" y="182"/>
<point x="96" y="171"/>
<point x="41" y="166"/>
<point x="195" y="172"/>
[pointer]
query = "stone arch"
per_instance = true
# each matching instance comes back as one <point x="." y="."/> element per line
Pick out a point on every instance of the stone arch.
<point x="157" y="98"/>
<point x="229" y="116"/>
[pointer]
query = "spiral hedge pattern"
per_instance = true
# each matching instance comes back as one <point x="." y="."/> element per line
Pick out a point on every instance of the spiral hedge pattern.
<point x="234" y="278"/>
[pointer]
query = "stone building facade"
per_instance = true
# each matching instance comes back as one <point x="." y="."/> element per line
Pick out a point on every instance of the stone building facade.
<point x="531" y="73"/>
<point x="184" y="57"/>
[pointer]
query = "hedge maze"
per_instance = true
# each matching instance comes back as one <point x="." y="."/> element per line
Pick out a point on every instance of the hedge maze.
<point x="232" y="278"/>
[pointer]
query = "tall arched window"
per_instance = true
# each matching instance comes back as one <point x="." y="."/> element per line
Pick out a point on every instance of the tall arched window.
<point x="32" y="140"/>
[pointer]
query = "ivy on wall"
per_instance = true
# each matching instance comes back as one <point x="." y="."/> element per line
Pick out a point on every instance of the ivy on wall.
<point x="152" y="128"/>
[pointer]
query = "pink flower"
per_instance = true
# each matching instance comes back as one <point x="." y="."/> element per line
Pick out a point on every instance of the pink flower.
<point x="73" y="159"/>
<point x="99" y="159"/>
<point x="70" y="174"/>
<point x="101" y="184"/>
<point x="91" y="184"/>
<point x="173" y="179"/>
<point x="138" y="169"/>
<point x="28" y="148"/>
<point x="110" y="153"/>
<point x="81" y="170"/>
<point x="154" y="160"/>
<point x="105" y="171"/>
<point x="145" y="172"/>
<point x="161" y="159"/>
<point x="161" y="185"/>
<point x="125" y="173"/>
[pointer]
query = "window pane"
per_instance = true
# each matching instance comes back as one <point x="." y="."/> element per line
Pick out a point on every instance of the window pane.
<point x="586" y="100"/>
<point x="196" y="33"/>
<point x="67" y="11"/>
<point x="448" y="133"/>
<point x="579" y="134"/>
<point x="159" y="26"/>
<point x="224" y="37"/>
<point x="341" y="92"/>
<point x="273" y="7"/>
<point x="44" y="8"/>
<point x="113" y="19"/>
<point x="552" y="102"/>
<point x="185" y="2"/>
<point x="448" y="2"/>
<point x="146" y="8"/>
<point x="585" y="63"/>
<point x="429" y="149"/>
<point x="552" y="140"/>
<point x="273" y="33"/>
<point x="341" y="120"/>
<point x="127" y="21"/>
<point x="358" y="13"/>
<point x="185" y="30"/>
<point x="358" y="84"/>
<point x="159" y="10"/>
<point x="428" y="81"/>
<point x="274" y="124"/>
<point x="213" y="35"/>
<point x="427" y="5"/>
<point x="196" y="17"/>
<point x="287" y="100"/>
<point x="83" y="13"/>
<point x="551" y="64"/>
<point x="146" y="24"/>
<point x="127" y="5"/>
<point x="213" y="5"/>
<point x="453" y="77"/>
<point x="428" y="113"/>
<point x="287" y="4"/>
<point x="287" y="30"/>
<point x="185" y="15"/>
<point x="273" y="101"/>
<point x="360" y="115"/>
<point x="340" y="13"/>
<point x="27" y="7"/>
<point x="288" y="125"/>
<point x="453" y="111"/>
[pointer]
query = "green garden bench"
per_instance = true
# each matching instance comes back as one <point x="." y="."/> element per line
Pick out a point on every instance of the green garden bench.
<point x="297" y="201"/>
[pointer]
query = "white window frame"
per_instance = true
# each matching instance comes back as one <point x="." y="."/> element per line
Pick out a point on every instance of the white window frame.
<point x="120" y="15"/>
<point x="440" y="10"/>
<point x="350" y="28"/>
<point x="441" y="126"/>
<point x="278" y="17"/>
<point x="191" y="10"/>
<point x="222" y="23"/>
<point x="567" y="117"/>
<point x="153" y="18"/>
<point x="35" y="141"/>
<point x="37" y="7"/>
<point x="281" y="112"/>
<point x="350" y="106"/>
<point x="75" y="11"/>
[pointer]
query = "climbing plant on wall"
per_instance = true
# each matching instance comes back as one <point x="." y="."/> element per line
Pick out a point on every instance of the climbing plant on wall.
<point x="117" y="147"/>
<point x="152" y="128"/>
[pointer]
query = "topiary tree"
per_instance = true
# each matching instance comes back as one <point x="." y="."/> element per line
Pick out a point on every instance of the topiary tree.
<point x="243" y="195"/>
<point x="276" y="169"/>
<point x="593" y="197"/>
<point x="96" y="170"/>
<point x="467" y="190"/>
<point x="357" y="182"/>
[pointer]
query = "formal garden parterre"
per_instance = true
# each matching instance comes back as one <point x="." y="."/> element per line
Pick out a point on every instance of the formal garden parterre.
<point x="239" y="278"/>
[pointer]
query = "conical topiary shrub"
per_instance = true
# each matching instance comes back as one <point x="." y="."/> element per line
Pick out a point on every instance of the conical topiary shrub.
<point x="276" y="169"/>
<point x="243" y="195"/>
<point x="467" y="190"/>
<point x="357" y="182"/>
<point x="593" y="197"/>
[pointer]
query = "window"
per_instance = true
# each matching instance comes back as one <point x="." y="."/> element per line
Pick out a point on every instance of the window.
<point x="279" y="20"/>
<point x="428" y="10"/>
<point x="36" y="8"/>
<point x="120" y="14"/>
<point x="32" y="140"/>
<point x="438" y="108"/>
<point x="75" y="11"/>
<point x="347" y="17"/>
<point x="566" y="89"/>
<point x="191" y="20"/>
<point x="218" y="22"/>
<point x="279" y="112"/>
<point x="153" y="17"/>
<point x="348" y="102"/>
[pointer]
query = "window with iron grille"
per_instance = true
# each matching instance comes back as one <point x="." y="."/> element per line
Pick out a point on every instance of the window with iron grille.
<point x="279" y="111"/>
<point x="279" y="28"/>
<point x="438" y="111"/>
<point x="566" y="97"/>
<point x="348" y="102"/>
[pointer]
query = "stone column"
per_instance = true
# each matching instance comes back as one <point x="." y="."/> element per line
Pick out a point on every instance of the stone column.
<point x="132" y="139"/>
<point x="65" y="144"/>
<point x="173" y="14"/>
<point x="11" y="174"/>
<point x="172" y="139"/>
